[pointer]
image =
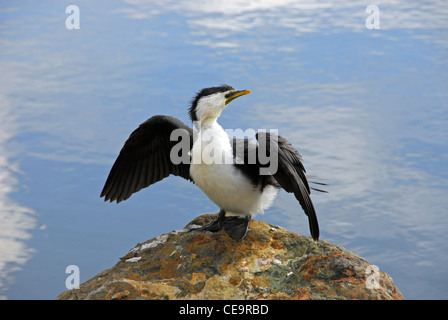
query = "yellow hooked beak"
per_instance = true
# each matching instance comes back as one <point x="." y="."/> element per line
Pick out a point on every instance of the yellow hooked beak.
<point x="235" y="94"/>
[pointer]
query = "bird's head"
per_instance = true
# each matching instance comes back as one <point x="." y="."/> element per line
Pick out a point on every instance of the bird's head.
<point x="210" y="102"/>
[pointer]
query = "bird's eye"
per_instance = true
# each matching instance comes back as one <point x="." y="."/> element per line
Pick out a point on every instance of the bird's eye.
<point x="231" y="93"/>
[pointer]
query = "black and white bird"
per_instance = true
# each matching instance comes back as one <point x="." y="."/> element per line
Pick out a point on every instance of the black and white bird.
<point x="235" y="183"/>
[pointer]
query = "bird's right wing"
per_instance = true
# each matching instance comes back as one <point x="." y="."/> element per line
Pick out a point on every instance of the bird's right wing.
<point x="145" y="157"/>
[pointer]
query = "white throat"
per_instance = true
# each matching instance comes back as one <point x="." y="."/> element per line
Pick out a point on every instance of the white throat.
<point x="212" y="145"/>
<point x="209" y="109"/>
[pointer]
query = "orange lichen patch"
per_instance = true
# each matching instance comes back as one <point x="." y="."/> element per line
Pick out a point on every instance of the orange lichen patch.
<point x="120" y="295"/>
<point x="196" y="277"/>
<point x="276" y="244"/>
<point x="259" y="282"/>
<point x="235" y="281"/>
<point x="312" y="265"/>
<point x="135" y="276"/>
<point x="151" y="290"/>
<point x="301" y="294"/>
<point x="217" y="288"/>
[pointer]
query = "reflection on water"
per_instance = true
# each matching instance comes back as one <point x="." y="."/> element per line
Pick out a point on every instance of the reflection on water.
<point x="16" y="220"/>
<point x="366" y="108"/>
<point x="215" y="21"/>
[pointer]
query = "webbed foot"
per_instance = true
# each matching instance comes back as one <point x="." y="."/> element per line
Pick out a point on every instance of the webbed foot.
<point x="213" y="226"/>
<point x="234" y="226"/>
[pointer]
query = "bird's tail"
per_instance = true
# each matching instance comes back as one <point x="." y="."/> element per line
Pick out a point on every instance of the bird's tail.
<point x="316" y="181"/>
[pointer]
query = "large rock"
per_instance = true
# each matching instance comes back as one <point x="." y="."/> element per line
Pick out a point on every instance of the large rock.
<point x="270" y="263"/>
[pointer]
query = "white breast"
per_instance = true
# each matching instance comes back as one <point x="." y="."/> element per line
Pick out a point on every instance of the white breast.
<point x="213" y="171"/>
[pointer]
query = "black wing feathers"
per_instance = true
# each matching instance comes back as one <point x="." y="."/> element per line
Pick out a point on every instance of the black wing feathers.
<point x="290" y="174"/>
<point x="145" y="159"/>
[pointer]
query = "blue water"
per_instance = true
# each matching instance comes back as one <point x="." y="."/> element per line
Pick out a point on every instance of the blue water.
<point x="367" y="108"/>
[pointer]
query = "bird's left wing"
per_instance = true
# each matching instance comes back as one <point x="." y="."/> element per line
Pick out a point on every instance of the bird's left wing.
<point x="290" y="174"/>
<point x="145" y="157"/>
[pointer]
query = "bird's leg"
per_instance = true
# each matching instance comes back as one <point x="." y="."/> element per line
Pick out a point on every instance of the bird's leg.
<point x="215" y="225"/>
<point x="237" y="227"/>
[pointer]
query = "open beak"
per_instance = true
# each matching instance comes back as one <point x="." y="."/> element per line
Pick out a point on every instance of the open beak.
<point x="235" y="94"/>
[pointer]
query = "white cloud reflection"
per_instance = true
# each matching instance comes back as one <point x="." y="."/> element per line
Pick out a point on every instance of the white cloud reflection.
<point x="217" y="19"/>
<point x="16" y="221"/>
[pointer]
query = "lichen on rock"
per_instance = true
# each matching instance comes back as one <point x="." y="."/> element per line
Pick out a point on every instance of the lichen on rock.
<point x="270" y="263"/>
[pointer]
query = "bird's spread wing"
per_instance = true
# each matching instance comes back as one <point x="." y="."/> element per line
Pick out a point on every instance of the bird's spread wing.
<point x="145" y="158"/>
<point x="290" y="174"/>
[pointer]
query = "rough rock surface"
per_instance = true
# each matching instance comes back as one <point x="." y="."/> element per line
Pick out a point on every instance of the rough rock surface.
<point x="270" y="263"/>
